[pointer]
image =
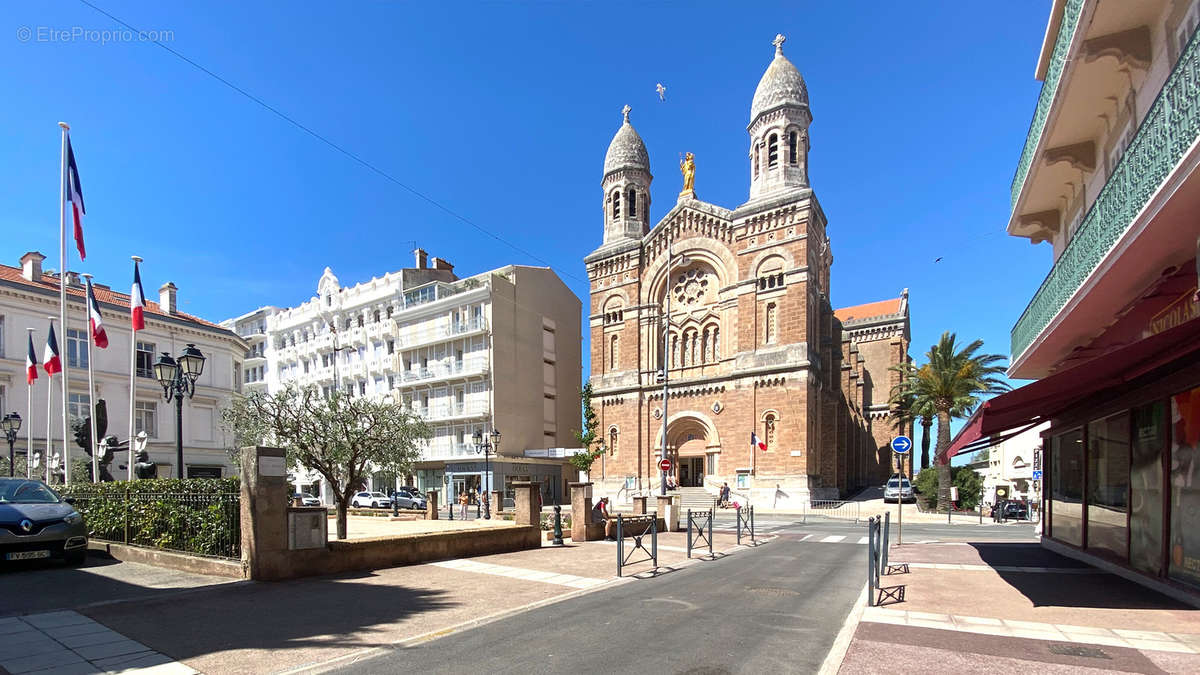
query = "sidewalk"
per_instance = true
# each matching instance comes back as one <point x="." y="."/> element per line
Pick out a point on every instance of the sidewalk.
<point x="316" y="623"/>
<point x="1016" y="607"/>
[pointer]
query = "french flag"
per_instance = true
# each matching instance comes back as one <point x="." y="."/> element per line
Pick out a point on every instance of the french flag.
<point x="75" y="196"/>
<point x="50" y="356"/>
<point x="137" y="300"/>
<point x="98" y="335"/>
<point x="31" y="363"/>
<point x="755" y="443"/>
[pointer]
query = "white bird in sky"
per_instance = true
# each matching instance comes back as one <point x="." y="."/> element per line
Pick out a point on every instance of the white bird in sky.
<point x="662" y="91"/>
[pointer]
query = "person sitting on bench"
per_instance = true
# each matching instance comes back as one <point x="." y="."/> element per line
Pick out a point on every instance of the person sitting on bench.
<point x="600" y="512"/>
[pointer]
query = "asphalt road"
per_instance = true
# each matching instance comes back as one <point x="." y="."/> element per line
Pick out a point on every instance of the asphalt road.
<point x="775" y="608"/>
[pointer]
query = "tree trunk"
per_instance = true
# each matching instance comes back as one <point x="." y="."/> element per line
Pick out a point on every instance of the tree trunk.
<point x="926" y="425"/>
<point x="942" y="461"/>
<point x="340" y="501"/>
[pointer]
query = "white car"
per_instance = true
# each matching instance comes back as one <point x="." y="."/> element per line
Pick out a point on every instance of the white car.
<point x="306" y="499"/>
<point x="374" y="500"/>
<point x="410" y="500"/>
<point x="898" y="489"/>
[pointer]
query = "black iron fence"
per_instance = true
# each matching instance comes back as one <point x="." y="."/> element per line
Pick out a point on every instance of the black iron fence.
<point x="699" y="531"/>
<point x="206" y="524"/>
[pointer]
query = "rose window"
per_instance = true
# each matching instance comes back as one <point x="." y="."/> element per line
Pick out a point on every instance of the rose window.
<point x="690" y="287"/>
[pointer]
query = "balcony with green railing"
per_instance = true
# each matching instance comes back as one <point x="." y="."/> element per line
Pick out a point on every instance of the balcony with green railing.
<point x="1168" y="130"/>
<point x="1054" y="71"/>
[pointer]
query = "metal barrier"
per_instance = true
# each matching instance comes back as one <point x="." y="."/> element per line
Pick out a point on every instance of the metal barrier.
<point x="877" y="562"/>
<point x="745" y="522"/>
<point x="872" y="560"/>
<point x="199" y="523"/>
<point x="832" y="508"/>
<point x="700" y="520"/>
<point x="652" y="552"/>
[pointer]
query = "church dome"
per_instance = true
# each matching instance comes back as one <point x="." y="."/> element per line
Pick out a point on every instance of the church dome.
<point x="780" y="86"/>
<point x="627" y="151"/>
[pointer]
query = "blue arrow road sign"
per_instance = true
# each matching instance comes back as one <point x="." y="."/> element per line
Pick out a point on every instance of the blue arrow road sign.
<point x="1037" y="475"/>
<point x="901" y="444"/>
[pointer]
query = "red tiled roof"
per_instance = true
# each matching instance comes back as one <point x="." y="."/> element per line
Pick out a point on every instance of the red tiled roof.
<point x="880" y="308"/>
<point x="103" y="295"/>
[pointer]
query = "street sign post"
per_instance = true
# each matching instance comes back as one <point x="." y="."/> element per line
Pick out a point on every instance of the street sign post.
<point x="901" y="444"/>
<point x="1037" y="475"/>
<point x="664" y="464"/>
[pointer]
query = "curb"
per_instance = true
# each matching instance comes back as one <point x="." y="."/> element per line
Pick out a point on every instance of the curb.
<point x="841" y="644"/>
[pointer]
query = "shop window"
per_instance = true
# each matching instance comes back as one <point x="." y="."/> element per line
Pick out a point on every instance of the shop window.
<point x="1066" y="487"/>
<point x="1146" y="488"/>
<point x="1185" y="487"/>
<point x="1108" y="485"/>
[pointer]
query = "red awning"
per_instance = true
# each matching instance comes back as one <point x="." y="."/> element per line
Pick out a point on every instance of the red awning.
<point x="1049" y="396"/>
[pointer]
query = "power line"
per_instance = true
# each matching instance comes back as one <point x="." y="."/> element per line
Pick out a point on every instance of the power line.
<point x="349" y="154"/>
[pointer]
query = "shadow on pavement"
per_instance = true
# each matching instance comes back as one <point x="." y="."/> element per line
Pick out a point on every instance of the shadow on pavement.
<point x="327" y="612"/>
<point x="1098" y="591"/>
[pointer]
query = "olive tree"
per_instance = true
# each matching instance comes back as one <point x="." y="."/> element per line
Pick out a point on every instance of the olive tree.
<point x="340" y="437"/>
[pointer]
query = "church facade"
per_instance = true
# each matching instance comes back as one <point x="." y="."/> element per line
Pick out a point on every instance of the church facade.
<point x="713" y="330"/>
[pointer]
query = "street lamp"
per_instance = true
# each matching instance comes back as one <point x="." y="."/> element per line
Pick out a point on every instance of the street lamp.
<point x="11" y="425"/>
<point x="485" y="445"/>
<point x="178" y="379"/>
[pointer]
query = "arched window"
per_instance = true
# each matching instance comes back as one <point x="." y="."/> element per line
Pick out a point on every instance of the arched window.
<point x="616" y="204"/>
<point x="757" y="157"/>
<point x="632" y="199"/>
<point x="376" y="315"/>
<point x="769" y="327"/>
<point x="612" y="441"/>
<point x="793" y="138"/>
<point x="612" y="353"/>
<point x="772" y="151"/>
<point x="675" y="351"/>
<point x="705" y="356"/>
<point x="694" y="343"/>
<point x="769" y="430"/>
<point x="716" y="343"/>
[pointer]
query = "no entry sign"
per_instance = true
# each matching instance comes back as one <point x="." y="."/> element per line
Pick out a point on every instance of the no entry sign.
<point x="664" y="464"/>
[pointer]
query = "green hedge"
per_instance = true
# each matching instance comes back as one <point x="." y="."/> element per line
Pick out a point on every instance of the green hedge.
<point x="192" y="515"/>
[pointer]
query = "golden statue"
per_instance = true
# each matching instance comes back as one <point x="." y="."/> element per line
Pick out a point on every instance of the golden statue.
<point x="687" y="166"/>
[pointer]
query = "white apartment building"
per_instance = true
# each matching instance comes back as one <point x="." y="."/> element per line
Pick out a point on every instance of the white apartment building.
<point x="1010" y="464"/>
<point x="28" y="295"/>
<point x="496" y="350"/>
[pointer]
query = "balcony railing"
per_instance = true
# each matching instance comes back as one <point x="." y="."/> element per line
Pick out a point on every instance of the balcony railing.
<point x="436" y="371"/>
<point x="1170" y="127"/>
<point x="1058" y="60"/>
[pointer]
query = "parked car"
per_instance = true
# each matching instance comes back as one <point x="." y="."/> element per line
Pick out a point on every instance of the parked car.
<point x="35" y="523"/>
<point x="1016" y="511"/>
<point x="374" y="500"/>
<point x="409" y="500"/>
<point x="898" y="489"/>
<point x="306" y="499"/>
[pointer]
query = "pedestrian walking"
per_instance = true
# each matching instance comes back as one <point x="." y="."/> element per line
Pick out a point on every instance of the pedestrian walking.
<point x="463" y="501"/>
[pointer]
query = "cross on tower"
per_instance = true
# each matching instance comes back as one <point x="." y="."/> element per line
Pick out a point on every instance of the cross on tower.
<point x="625" y="111"/>
<point x="778" y="42"/>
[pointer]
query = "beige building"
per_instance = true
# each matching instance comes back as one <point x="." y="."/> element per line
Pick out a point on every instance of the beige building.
<point x="495" y="350"/>
<point x="28" y="294"/>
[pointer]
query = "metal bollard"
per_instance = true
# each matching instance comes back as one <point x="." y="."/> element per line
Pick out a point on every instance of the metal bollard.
<point x="871" y="561"/>
<point x="654" y="540"/>
<point x="739" y="525"/>
<point x="883" y="554"/>
<point x="711" y="514"/>
<point x="395" y="506"/>
<point x="689" y="534"/>
<point x="752" y="524"/>
<point x="558" y="538"/>
<point x="620" y="545"/>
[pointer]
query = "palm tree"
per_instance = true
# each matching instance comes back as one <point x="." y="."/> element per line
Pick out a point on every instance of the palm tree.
<point x="909" y="411"/>
<point x="950" y="384"/>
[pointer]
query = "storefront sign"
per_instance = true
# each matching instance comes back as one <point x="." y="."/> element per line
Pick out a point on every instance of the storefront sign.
<point x="466" y="467"/>
<point x="1181" y="310"/>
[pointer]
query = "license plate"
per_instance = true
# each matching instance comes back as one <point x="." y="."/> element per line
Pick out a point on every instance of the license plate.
<point x="27" y="555"/>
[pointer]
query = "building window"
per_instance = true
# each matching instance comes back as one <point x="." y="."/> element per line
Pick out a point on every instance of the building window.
<point x="145" y="359"/>
<point x="360" y="321"/>
<point x="770" y="330"/>
<point x="612" y="441"/>
<point x="389" y="311"/>
<point x="77" y="406"/>
<point x="391" y="346"/>
<point x="770" y="425"/>
<point x="757" y="157"/>
<point x="793" y="139"/>
<point x="376" y="315"/>
<point x="1146" y="487"/>
<point x="391" y="382"/>
<point x="1066" y="487"/>
<point x="145" y="418"/>
<point x="616" y="204"/>
<point x="632" y="197"/>
<point x="612" y="353"/>
<point x="362" y="387"/>
<point x="1185" y="455"/>
<point x="77" y="345"/>
<point x="1108" y="484"/>
<point x="772" y="151"/>
<point x="1" y="337"/>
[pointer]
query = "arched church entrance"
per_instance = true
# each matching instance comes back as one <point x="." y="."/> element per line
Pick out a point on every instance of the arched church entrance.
<point x="694" y="446"/>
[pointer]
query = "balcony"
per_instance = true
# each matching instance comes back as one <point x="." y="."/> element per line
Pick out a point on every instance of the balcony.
<point x="450" y="451"/>
<point x="453" y="411"/>
<point x="440" y="371"/>
<point x="428" y="335"/>
<point x="1141" y="222"/>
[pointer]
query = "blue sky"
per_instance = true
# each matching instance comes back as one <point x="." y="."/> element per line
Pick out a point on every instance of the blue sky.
<point x="501" y="112"/>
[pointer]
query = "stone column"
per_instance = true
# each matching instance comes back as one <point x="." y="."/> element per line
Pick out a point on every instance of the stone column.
<point x="264" y="510"/>
<point x="581" y="510"/>
<point x="431" y="504"/>
<point x="639" y="505"/>
<point x="668" y="512"/>
<point x="497" y="501"/>
<point x="526" y="498"/>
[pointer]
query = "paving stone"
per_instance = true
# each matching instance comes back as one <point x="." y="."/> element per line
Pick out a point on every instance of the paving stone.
<point x="1161" y="646"/>
<point x="27" y="645"/>
<point x="12" y="625"/>
<point x="57" y="632"/>
<point x="56" y="659"/>
<point x="84" y="668"/>
<point x="88" y="639"/>
<point x="111" y="649"/>
<point x="49" y="619"/>
<point x="135" y="660"/>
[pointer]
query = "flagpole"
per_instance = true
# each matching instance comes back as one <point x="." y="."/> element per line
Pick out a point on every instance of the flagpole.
<point x="49" y="413"/>
<point x="87" y="301"/>
<point x="29" y="429"/>
<point x="62" y="293"/>
<point x="132" y="377"/>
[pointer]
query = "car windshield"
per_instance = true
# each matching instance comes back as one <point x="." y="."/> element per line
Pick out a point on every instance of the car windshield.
<point x="26" y="492"/>
<point x="895" y="483"/>
<point x="377" y="494"/>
